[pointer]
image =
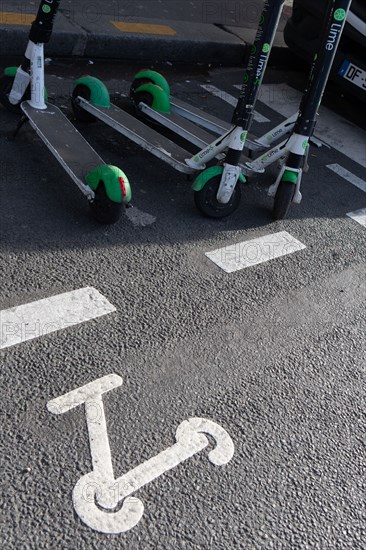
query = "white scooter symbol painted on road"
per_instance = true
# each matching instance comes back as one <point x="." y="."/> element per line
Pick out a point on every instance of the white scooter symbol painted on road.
<point x="105" y="503"/>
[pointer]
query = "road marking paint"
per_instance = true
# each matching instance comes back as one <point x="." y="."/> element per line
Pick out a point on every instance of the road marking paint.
<point x="139" y="218"/>
<point x="359" y="216"/>
<point x="335" y="130"/>
<point x="231" y="100"/>
<point x="144" y="28"/>
<point x="347" y="175"/>
<point x="26" y="322"/>
<point x="10" y="18"/>
<point x="256" y="251"/>
<point x="98" y="494"/>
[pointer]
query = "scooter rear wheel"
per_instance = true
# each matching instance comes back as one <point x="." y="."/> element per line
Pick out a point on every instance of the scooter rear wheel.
<point x="6" y="84"/>
<point x="137" y="83"/>
<point x="283" y="199"/>
<point x="207" y="203"/>
<point x="80" y="114"/>
<point x="104" y="210"/>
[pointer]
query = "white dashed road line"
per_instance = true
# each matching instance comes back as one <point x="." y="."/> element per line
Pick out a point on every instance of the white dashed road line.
<point x="26" y="322"/>
<point x="359" y="216"/>
<point x="347" y="175"/>
<point x="231" y="100"/>
<point x="256" y="251"/>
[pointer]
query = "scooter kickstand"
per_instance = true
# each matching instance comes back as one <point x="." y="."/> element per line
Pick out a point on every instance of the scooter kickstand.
<point x="20" y="125"/>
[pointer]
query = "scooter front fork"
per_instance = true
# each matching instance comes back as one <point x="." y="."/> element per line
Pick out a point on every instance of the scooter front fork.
<point x="232" y="170"/>
<point x="293" y="166"/>
<point x="292" y="174"/>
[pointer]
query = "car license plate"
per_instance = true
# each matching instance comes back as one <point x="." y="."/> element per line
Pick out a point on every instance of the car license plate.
<point x="354" y="74"/>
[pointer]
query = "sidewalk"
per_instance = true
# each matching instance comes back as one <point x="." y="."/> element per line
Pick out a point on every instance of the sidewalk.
<point x="99" y="35"/>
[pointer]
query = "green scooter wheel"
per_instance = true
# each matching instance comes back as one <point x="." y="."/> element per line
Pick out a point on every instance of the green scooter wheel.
<point x="151" y="95"/>
<point x="112" y="191"/>
<point x="283" y="199"/>
<point x="6" y="84"/>
<point x="207" y="203"/>
<point x="147" y="76"/>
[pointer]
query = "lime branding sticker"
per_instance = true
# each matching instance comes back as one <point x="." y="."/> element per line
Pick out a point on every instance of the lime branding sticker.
<point x="243" y="137"/>
<point x="266" y="48"/>
<point x="46" y="9"/>
<point x="339" y="14"/>
<point x="246" y="78"/>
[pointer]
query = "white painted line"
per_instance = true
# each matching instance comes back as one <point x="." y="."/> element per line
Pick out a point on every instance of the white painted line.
<point x="21" y="323"/>
<point x="98" y="493"/>
<point x="231" y="100"/>
<point x="359" y="216"/>
<point x="335" y="130"/>
<point x="139" y="218"/>
<point x="75" y="398"/>
<point x="347" y="175"/>
<point x="256" y="251"/>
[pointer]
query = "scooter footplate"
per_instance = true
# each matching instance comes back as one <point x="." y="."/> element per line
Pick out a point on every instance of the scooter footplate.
<point x="181" y="107"/>
<point x="63" y="140"/>
<point x="138" y="132"/>
<point x="186" y="129"/>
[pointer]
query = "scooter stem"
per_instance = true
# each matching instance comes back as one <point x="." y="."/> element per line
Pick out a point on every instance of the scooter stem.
<point x="37" y="76"/>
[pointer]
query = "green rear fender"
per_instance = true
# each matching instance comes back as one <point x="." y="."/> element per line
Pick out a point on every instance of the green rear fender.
<point x="161" y="102"/>
<point x="156" y="78"/>
<point x="99" y="95"/>
<point x="12" y="71"/>
<point x="208" y="174"/>
<point x="115" y="181"/>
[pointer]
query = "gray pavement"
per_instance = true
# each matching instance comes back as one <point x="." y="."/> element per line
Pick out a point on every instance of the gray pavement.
<point x="275" y="354"/>
<point x="205" y="32"/>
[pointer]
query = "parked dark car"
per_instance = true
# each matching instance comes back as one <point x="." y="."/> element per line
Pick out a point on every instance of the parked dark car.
<point x="302" y="32"/>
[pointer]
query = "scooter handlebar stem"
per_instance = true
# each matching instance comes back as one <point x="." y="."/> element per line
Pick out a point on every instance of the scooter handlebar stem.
<point x="42" y="26"/>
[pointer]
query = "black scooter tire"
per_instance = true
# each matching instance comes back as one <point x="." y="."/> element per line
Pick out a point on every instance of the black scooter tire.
<point x="104" y="210"/>
<point x="207" y="203"/>
<point x="283" y="199"/>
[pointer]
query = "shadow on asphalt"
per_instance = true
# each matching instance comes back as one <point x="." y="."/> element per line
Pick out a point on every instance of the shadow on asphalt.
<point x="43" y="209"/>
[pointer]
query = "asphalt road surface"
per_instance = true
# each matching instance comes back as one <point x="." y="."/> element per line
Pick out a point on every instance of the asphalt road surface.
<point x="273" y="355"/>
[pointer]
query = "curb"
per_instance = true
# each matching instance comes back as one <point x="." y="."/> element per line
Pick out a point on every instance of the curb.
<point x="174" y="41"/>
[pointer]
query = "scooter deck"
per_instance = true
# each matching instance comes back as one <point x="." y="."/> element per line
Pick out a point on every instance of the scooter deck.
<point x="185" y="121"/>
<point x="205" y="120"/>
<point x="183" y="127"/>
<point x="143" y="135"/>
<point x="64" y="141"/>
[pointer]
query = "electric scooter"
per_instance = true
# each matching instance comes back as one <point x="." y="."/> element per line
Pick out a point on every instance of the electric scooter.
<point x="22" y="90"/>
<point x="150" y="92"/>
<point x="292" y="153"/>
<point x="286" y="188"/>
